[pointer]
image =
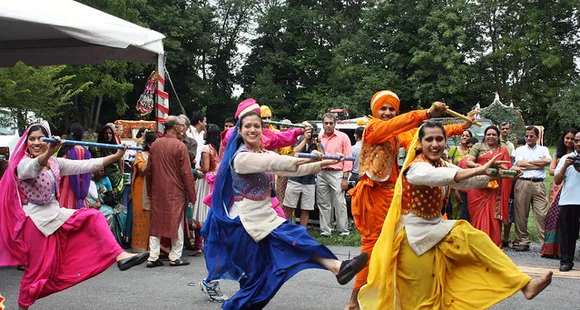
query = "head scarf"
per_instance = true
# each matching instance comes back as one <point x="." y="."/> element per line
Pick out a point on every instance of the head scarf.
<point x="382" y="97"/>
<point x="12" y="248"/>
<point x="380" y="287"/>
<point x="246" y="106"/>
<point x="265" y="111"/>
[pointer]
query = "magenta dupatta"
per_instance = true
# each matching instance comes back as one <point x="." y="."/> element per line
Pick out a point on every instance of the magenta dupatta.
<point x="12" y="249"/>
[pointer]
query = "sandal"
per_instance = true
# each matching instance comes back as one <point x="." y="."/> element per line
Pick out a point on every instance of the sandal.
<point x="133" y="260"/>
<point x="154" y="264"/>
<point x="178" y="262"/>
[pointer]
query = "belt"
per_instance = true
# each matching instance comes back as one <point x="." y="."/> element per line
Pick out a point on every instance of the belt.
<point x="532" y="179"/>
<point x="330" y="169"/>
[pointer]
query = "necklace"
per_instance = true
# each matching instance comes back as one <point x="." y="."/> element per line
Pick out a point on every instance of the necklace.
<point x="490" y="150"/>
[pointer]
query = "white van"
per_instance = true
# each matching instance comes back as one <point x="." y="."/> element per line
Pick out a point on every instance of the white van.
<point x="9" y="134"/>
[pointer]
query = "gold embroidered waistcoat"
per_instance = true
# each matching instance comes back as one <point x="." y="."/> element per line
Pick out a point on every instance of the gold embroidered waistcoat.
<point x="377" y="160"/>
<point x="421" y="200"/>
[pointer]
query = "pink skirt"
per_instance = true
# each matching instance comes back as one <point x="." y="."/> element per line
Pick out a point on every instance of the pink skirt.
<point x="80" y="249"/>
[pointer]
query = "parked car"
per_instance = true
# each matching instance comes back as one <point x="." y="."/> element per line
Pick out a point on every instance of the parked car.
<point x="9" y="134"/>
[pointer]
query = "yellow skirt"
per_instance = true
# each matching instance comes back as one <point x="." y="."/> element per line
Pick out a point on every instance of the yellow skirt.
<point x="465" y="270"/>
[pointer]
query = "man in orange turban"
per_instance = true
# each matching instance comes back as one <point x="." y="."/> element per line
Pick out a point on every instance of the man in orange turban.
<point x="378" y="168"/>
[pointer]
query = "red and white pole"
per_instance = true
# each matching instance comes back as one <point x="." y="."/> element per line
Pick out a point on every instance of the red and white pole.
<point x="162" y="102"/>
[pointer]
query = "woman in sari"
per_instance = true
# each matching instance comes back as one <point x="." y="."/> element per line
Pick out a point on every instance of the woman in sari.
<point x="141" y="207"/>
<point x="113" y="171"/>
<point x="74" y="188"/>
<point x="488" y="207"/>
<point x="551" y="246"/>
<point x="58" y="247"/>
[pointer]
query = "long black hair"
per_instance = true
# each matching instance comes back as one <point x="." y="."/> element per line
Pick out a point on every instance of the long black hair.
<point x="561" y="149"/>
<point x="75" y="132"/>
<point x="101" y="136"/>
<point x="213" y="136"/>
<point x="150" y="137"/>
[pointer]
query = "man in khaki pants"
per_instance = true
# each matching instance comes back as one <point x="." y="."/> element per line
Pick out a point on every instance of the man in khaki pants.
<point x="530" y="188"/>
<point x="333" y="180"/>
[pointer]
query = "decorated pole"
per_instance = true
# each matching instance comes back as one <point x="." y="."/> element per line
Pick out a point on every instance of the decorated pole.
<point x="494" y="171"/>
<point x="162" y="106"/>
<point x="283" y="124"/>
<point x="457" y="114"/>
<point x="314" y="156"/>
<point x="93" y="144"/>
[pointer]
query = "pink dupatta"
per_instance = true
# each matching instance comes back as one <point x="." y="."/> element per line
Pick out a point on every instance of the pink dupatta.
<point x="12" y="248"/>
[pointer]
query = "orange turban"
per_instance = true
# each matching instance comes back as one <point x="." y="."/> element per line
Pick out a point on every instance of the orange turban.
<point x="382" y="97"/>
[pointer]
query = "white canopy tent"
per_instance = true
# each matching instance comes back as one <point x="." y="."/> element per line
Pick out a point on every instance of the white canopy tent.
<point x="40" y="32"/>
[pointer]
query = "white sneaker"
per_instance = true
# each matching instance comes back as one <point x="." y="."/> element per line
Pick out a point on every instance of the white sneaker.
<point x="345" y="233"/>
<point x="213" y="291"/>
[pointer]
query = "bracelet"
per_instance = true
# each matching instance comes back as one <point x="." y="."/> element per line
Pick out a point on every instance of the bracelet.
<point x="474" y="171"/>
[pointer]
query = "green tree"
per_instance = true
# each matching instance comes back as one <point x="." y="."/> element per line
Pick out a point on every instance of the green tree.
<point x="296" y="39"/>
<point x="526" y="53"/>
<point x="42" y="91"/>
<point x="565" y="112"/>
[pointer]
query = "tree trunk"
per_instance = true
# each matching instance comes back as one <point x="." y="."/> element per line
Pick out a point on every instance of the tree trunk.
<point x="97" y="112"/>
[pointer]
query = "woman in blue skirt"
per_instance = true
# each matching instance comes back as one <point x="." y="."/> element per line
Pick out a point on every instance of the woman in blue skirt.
<point x="246" y="240"/>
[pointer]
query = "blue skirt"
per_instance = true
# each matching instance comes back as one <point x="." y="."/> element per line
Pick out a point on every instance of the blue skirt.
<point x="266" y="265"/>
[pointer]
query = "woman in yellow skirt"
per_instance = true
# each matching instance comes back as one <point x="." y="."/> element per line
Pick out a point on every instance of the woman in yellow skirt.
<point x="427" y="263"/>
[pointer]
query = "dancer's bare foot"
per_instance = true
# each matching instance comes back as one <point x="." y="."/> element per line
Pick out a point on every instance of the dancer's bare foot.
<point x="351" y="307"/>
<point x="353" y="302"/>
<point x="536" y="286"/>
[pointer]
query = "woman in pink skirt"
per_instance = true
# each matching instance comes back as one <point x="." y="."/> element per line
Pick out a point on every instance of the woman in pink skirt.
<point x="58" y="247"/>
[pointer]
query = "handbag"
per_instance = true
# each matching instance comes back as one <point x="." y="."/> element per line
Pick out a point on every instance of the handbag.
<point x="109" y="199"/>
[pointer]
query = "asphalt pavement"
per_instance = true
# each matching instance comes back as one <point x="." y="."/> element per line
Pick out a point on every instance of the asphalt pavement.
<point x="178" y="288"/>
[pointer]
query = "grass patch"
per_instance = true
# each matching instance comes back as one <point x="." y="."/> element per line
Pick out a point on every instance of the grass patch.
<point x="335" y="239"/>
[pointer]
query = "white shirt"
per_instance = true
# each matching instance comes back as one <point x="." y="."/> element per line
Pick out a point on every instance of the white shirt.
<point x="356" y="154"/>
<point x="528" y="154"/>
<point x="198" y="136"/>
<point x="570" y="194"/>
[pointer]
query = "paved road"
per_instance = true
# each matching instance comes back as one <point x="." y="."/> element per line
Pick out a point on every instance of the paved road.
<point x="177" y="288"/>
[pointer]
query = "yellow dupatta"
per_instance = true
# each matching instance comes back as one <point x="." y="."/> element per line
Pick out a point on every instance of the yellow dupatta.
<point x="380" y="291"/>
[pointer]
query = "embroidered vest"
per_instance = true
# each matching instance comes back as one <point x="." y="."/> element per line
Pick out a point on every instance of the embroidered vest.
<point x="421" y="200"/>
<point x="255" y="186"/>
<point x="42" y="189"/>
<point x="377" y="160"/>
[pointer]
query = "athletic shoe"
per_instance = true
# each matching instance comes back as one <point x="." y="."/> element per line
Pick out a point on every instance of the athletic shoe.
<point x="213" y="291"/>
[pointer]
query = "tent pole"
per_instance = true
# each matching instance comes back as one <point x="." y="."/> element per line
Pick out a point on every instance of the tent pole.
<point x="162" y="106"/>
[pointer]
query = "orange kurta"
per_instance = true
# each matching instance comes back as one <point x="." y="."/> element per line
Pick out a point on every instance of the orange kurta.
<point x="372" y="196"/>
<point x="141" y="218"/>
